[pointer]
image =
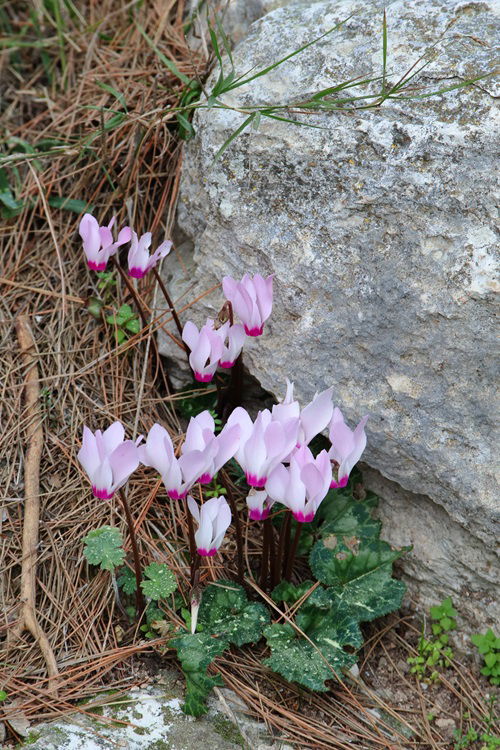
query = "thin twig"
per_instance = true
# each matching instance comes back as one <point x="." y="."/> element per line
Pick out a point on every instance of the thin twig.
<point x="140" y="604"/>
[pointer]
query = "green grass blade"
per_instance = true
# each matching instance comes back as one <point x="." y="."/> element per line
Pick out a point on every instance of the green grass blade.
<point x="168" y="63"/>
<point x="114" y="92"/>
<point x="274" y="65"/>
<point x="225" y="40"/>
<point x="234" y="135"/>
<point x="444" y="90"/>
<point x="185" y="125"/>
<point x="293" y="122"/>
<point x="70" y="204"/>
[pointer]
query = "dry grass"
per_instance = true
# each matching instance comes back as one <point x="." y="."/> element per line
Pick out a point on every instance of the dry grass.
<point x="52" y="98"/>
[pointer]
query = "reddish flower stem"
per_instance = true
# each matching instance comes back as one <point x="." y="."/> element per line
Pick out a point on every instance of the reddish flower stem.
<point x="284" y="540"/>
<point x="193" y="556"/>
<point x="140" y="604"/>
<point x="293" y="551"/>
<point x="133" y="293"/>
<point x="267" y="553"/>
<point x="171" y="308"/>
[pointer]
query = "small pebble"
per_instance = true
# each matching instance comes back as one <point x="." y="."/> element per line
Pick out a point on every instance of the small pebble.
<point x="445" y="723"/>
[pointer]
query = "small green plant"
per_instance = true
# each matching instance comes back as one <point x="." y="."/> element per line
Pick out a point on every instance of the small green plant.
<point x="215" y="489"/>
<point x="156" y="623"/>
<point x="125" y="322"/>
<point x="226" y="617"/>
<point x="159" y="582"/>
<point x="106" y="285"/>
<point x="464" y="740"/>
<point x="488" y="646"/>
<point x="443" y="616"/>
<point x="3" y="695"/>
<point x="103" y="547"/>
<point x="435" y="652"/>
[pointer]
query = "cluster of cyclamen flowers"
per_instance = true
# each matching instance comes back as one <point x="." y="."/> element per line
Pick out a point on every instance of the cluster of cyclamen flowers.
<point x="272" y="450"/>
<point x="99" y="247"/>
<point x="252" y="300"/>
<point x="215" y="344"/>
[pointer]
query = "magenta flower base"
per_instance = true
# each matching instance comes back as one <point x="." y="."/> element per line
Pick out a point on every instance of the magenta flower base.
<point x="96" y="266"/>
<point x="258" y="515"/>
<point x="303" y="517"/>
<point x="341" y="483"/>
<point x="207" y="552"/>
<point x="255" y="481"/>
<point x="254" y="331"/>
<point x="102" y="494"/>
<point x="174" y="495"/>
<point x="205" y="479"/>
<point x="226" y="365"/>
<point x="202" y="378"/>
<point x="137" y="273"/>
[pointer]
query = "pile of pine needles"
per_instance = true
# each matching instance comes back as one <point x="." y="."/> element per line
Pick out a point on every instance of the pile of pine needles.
<point x="86" y="125"/>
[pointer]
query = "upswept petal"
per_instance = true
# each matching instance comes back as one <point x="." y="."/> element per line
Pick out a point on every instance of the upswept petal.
<point x="316" y="415"/>
<point x="88" y="454"/>
<point x="158" y="450"/>
<point x="222" y="521"/>
<point x="264" y="295"/>
<point x="227" y="444"/>
<point x="275" y="442"/>
<point x="228" y="287"/>
<point x="255" y="454"/>
<point x="277" y="483"/>
<point x="193" y="508"/>
<point x="123" y="461"/>
<point x="106" y="237"/>
<point x="200" y="354"/>
<point x="342" y="441"/>
<point x="113" y="436"/>
<point x="196" y="463"/>
<point x="288" y="408"/>
<point x="190" y="334"/>
<point x="124" y="236"/>
<point x="89" y="232"/>
<point x="241" y="417"/>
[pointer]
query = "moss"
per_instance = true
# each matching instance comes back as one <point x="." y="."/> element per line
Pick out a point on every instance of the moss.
<point x="159" y="745"/>
<point x="30" y="739"/>
<point x="227" y="730"/>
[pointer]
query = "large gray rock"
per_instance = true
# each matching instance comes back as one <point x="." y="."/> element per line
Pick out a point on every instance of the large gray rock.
<point x="379" y="227"/>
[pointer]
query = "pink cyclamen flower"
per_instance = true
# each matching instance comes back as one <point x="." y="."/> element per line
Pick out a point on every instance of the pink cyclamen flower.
<point x="252" y="300"/>
<point x="313" y="418"/>
<point x="213" y="520"/>
<point x="259" y="505"/>
<point x="139" y="260"/>
<point x="347" y="446"/>
<point x="178" y="474"/>
<point x="200" y="436"/>
<point x="303" y="485"/>
<point x="108" y="459"/>
<point x="98" y="244"/>
<point x="263" y="444"/>
<point x="206" y="346"/>
<point x="236" y="338"/>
